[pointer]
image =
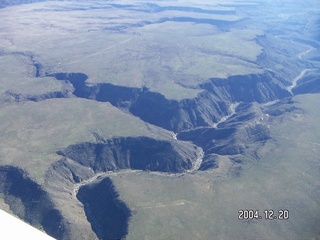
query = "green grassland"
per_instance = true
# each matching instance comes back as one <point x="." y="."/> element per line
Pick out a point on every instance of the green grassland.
<point x="118" y="46"/>
<point x="205" y="205"/>
<point x="170" y="57"/>
<point x="22" y="79"/>
<point x="32" y="132"/>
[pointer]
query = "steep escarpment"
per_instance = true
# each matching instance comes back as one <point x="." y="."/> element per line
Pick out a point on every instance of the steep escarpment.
<point x="218" y="141"/>
<point x="17" y="97"/>
<point x="78" y="82"/>
<point x="155" y="8"/>
<point x="140" y="153"/>
<point x="206" y="109"/>
<point x="226" y="141"/>
<point x="259" y="88"/>
<point x="227" y="137"/>
<point x="108" y="215"/>
<point x="282" y="63"/>
<point x="68" y="172"/>
<point x="243" y="113"/>
<point x="152" y="107"/>
<point x="29" y="201"/>
<point x="280" y="107"/>
<point x="206" y="137"/>
<point x="83" y="164"/>
<point x="183" y="116"/>
<point x="222" y="24"/>
<point x="241" y="134"/>
<point x="310" y="83"/>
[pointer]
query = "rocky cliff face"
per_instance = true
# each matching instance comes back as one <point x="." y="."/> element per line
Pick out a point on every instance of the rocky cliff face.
<point x="176" y="115"/>
<point x="204" y="110"/>
<point x="229" y="136"/>
<point x="14" y="97"/>
<point x="259" y="88"/>
<point x="310" y="83"/>
<point x="132" y="153"/>
<point x="151" y="107"/>
<point x="193" y="119"/>
<point x="80" y="169"/>
<point x="29" y="201"/>
<point x="108" y="215"/>
<point x="224" y="119"/>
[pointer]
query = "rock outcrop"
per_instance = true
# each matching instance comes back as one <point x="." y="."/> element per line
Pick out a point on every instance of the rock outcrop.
<point x="29" y="201"/>
<point x="203" y="111"/>
<point x="139" y="153"/>
<point x="108" y="215"/>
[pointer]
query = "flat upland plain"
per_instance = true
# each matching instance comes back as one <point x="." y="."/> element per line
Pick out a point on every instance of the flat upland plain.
<point x="161" y="51"/>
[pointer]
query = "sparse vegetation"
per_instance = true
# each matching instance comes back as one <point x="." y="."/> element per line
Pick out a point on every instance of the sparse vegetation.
<point x="91" y="91"/>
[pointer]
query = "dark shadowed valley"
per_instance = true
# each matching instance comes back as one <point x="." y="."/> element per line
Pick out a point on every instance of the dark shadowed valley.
<point x="161" y="119"/>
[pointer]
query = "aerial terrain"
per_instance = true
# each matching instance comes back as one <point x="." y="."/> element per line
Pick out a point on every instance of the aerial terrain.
<point x="161" y="119"/>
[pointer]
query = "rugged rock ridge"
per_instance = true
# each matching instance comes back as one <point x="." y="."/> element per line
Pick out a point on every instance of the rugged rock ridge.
<point x="193" y="119"/>
<point x="29" y="201"/>
<point x="15" y="97"/>
<point x="204" y="110"/>
<point x="84" y="160"/>
<point x="243" y="113"/>
<point x="217" y="141"/>
<point x="271" y="57"/>
<point x="310" y="83"/>
<point x="280" y="107"/>
<point x="151" y="107"/>
<point x="226" y="142"/>
<point x="131" y="153"/>
<point x="221" y="24"/>
<point x="155" y="8"/>
<point x="259" y="88"/>
<point x="82" y="163"/>
<point x="68" y="172"/>
<point x="208" y="138"/>
<point x="243" y="133"/>
<point x="108" y="215"/>
<point x="232" y="137"/>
